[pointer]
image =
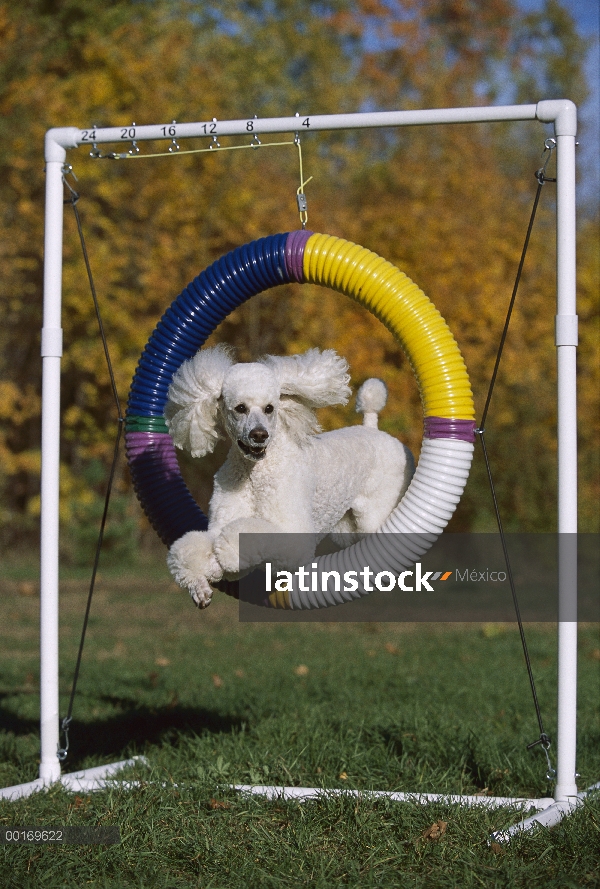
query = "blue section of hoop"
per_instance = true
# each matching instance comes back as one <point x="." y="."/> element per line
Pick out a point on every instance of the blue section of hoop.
<point x="182" y="330"/>
<point x="197" y="311"/>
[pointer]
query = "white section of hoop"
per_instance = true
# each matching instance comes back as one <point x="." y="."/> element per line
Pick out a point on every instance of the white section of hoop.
<point x="410" y="530"/>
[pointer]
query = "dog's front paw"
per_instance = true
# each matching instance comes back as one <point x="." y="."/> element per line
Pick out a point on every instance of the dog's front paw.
<point x="192" y="562"/>
<point x="201" y="593"/>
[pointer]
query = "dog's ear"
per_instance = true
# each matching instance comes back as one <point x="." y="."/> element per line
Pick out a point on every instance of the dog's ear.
<point x="191" y="409"/>
<point x="298" y="419"/>
<point x="315" y="378"/>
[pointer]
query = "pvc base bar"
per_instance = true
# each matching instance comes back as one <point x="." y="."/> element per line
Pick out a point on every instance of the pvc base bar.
<point x="85" y="781"/>
<point x="548" y="812"/>
<point x="306" y="793"/>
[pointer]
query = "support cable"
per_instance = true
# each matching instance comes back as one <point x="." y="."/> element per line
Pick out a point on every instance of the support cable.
<point x="66" y="721"/>
<point x="543" y="739"/>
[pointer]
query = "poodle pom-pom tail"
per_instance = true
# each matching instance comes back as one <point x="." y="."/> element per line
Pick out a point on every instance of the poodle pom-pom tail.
<point x="372" y="397"/>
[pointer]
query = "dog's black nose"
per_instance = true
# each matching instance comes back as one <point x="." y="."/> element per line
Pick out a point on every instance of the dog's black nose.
<point x="259" y="435"/>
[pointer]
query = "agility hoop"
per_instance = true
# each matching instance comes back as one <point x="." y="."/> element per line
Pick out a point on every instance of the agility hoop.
<point x="373" y="282"/>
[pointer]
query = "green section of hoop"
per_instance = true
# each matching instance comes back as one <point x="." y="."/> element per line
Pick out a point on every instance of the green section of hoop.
<point x="145" y="424"/>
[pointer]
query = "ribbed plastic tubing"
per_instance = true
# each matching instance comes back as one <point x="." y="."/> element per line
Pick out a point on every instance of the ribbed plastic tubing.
<point x="384" y="290"/>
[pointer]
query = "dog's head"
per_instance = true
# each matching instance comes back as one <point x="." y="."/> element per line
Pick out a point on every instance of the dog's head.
<point x="249" y="406"/>
<point x="210" y="396"/>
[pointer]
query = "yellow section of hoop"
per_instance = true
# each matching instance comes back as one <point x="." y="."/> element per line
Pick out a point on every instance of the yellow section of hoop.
<point x="279" y="599"/>
<point x="392" y="297"/>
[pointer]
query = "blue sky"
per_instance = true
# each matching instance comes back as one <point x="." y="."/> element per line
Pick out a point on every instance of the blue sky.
<point x="586" y="14"/>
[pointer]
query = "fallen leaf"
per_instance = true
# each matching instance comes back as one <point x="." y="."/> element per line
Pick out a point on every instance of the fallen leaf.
<point x="596" y="654"/>
<point x="162" y="661"/>
<point x="26" y="588"/>
<point x="497" y="849"/>
<point x="343" y="776"/>
<point x="218" y="804"/>
<point x="301" y="670"/>
<point x="217" y="681"/>
<point x="240" y="674"/>
<point x="437" y="829"/>
<point x="389" y="646"/>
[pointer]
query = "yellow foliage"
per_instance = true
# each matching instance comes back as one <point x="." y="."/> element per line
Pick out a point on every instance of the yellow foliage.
<point x="449" y="206"/>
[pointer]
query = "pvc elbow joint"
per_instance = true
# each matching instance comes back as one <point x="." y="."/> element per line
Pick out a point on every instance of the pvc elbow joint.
<point x="561" y="112"/>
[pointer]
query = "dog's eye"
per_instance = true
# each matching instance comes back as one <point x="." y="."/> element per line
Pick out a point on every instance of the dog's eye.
<point x="269" y="409"/>
<point x="241" y="408"/>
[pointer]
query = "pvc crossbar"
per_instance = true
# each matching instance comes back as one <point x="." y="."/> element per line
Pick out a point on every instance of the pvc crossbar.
<point x="71" y="137"/>
<point x="562" y="113"/>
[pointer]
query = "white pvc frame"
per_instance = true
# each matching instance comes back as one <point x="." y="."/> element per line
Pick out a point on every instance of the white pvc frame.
<point x="563" y="114"/>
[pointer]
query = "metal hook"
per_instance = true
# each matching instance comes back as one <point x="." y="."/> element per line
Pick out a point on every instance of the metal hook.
<point x="62" y="752"/>
<point x="540" y="175"/>
<point x="215" y="142"/>
<point x="544" y="741"/>
<point x="174" y="146"/>
<point x="67" y="170"/>
<point x="256" y="141"/>
<point x="95" y="152"/>
<point x="135" y="148"/>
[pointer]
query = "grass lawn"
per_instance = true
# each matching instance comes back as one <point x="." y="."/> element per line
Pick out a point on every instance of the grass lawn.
<point x="210" y="701"/>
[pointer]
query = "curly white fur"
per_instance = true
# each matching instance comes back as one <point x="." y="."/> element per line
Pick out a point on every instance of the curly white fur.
<point x="281" y="474"/>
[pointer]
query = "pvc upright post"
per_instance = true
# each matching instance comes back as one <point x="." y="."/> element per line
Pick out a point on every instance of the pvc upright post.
<point x="566" y="347"/>
<point x="51" y="357"/>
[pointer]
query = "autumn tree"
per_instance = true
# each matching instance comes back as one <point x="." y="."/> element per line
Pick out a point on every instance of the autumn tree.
<point x="449" y="205"/>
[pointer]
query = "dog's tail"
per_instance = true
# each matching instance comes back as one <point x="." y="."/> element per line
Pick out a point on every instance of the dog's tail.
<point x="371" y="399"/>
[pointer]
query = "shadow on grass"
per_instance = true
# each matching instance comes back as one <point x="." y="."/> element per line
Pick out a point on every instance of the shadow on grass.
<point x="128" y="732"/>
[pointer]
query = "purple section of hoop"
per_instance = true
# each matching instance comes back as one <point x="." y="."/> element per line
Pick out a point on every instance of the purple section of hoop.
<point x="442" y="427"/>
<point x="161" y="442"/>
<point x="294" y="254"/>
<point x="160" y="487"/>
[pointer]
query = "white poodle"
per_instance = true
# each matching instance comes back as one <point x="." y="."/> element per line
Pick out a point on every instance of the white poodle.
<point x="282" y="474"/>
